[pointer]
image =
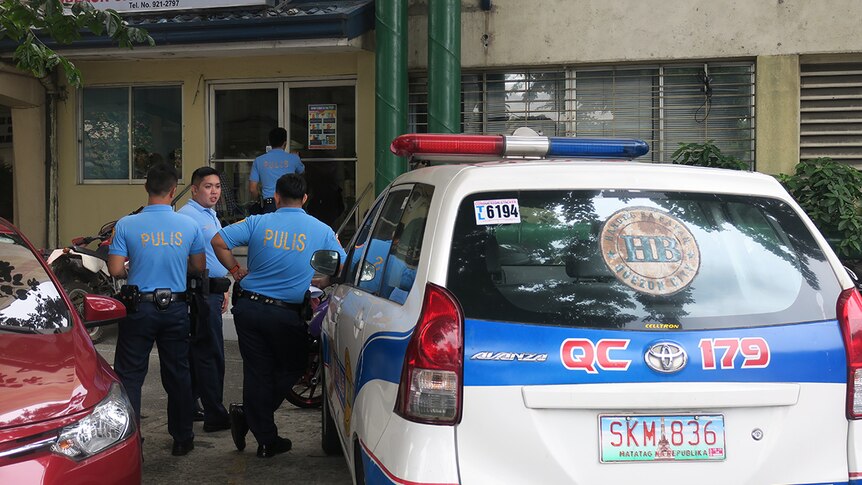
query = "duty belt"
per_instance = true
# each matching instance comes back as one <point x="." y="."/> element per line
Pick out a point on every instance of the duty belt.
<point x="219" y="285"/>
<point x="151" y="297"/>
<point x="297" y="307"/>
<point x="269" y="200"/>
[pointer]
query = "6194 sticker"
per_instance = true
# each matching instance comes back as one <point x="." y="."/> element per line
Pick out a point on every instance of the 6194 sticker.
<point x="497" y="211"/>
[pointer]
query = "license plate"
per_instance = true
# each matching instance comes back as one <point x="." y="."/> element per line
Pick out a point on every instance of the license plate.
<point x="661" y="438"/>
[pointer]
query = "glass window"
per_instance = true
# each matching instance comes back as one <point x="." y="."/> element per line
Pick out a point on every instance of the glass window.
<point x="752" y="262"/>
<point x="106" y="133"/>
<point x="357" y="246"/>
<point x="243" y="119"/>
<point x="29" y="300"/>
<point x="128" y="129"/>
<point x="371" y="273"/>
<point x="334" y="135"/>
<point x="616" y="103"/>
<point x="407" y="246"/>
<point x="663" y="105"/>
<point x="712" y="103"/>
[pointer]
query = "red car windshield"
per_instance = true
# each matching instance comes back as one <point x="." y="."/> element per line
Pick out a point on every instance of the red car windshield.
<point x="29" y="300"/>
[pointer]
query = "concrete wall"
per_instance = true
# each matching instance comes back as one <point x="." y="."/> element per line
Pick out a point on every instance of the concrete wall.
<point x="777" y="113"/>
<point x="85" y="207"/>
<point x="776" y="34"/>
<point x="600" y="31"/>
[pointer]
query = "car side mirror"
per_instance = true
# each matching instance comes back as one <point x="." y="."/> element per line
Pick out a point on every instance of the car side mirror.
<point x="102" y="310"/>
<point x="326" y="262"/>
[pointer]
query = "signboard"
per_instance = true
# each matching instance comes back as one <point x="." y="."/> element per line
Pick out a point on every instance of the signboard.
<point x="322" y="127"/>
<point x="144" y="6"/>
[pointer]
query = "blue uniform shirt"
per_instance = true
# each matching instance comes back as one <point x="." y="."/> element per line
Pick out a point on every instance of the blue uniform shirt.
<point x="158" y="242"/>
<point x="268" y="167"/>
<point x="280" y="245"/>
<point x="208" y="221"/>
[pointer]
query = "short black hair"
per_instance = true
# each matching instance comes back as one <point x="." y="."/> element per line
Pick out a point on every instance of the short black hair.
<point x="291" y="186"/>
<point x="203" y="172"/>
<point x="161" y="178"/>
<point x="277" y="137"/>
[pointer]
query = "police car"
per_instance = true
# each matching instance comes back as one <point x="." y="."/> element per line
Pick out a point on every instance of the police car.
<point x="564" y="316"/>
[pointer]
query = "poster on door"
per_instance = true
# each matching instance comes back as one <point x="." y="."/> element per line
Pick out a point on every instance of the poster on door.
<point x="322" y="131"/>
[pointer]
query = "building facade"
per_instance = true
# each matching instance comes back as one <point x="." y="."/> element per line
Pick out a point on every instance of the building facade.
<point x="769" y="82"/>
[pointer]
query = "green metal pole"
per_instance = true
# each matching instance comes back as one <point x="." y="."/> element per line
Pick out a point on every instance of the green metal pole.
<point x="444" y="66"/>
<point x="390" y="105"/>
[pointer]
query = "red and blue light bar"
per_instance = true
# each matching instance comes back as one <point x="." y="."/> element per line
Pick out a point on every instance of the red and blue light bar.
<point x="419" y="144"/>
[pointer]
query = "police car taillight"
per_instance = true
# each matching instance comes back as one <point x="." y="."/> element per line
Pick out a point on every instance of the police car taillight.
<point x="417" y="145"/>
<point x="850" y="318"/>
<point x="431" y="384"/>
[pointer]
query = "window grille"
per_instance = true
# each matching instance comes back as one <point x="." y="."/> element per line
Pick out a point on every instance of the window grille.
<point x="663" y="105"/>
<point x="831" y="112"/>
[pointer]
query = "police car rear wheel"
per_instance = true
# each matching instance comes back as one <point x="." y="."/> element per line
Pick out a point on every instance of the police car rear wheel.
<point x="328" y="434"/>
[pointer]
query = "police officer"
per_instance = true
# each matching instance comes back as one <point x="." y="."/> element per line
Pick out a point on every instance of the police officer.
<point x="272" y="334"/>
<point x="268" y="167"/>
<point x="207" y="346"/>
<point x="161" y="246"/>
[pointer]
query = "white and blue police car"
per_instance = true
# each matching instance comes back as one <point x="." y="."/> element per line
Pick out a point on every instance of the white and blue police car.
<point x="562" y="316"/>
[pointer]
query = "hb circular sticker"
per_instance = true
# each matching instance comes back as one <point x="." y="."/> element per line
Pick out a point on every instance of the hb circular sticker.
<point x="649" y="250"/>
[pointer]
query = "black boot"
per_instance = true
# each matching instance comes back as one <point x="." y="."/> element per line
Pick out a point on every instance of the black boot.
<point x="281" y="445"/>
<point x="238" y="426"/>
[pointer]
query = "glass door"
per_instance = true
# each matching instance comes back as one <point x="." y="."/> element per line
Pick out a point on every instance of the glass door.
<point x="323" y="132"/>
<point x="320" y="117"/>
<point x="241" y="116"/>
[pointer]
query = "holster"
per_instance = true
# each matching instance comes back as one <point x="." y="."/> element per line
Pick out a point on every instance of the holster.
<point x="197" y="290"/>
<point x="130" y="295"/>
<point x="306" y="313"/>
<point x="162" y="298"/>
<point x="234" y="296"/>
<point x="198" y="285"/>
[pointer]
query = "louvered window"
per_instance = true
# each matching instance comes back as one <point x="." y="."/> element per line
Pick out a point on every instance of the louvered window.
<point x="831" y="112"/>
<point x="664" y="105"/>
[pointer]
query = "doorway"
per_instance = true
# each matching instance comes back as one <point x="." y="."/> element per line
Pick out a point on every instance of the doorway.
<point x="320" y="118"/>
<point x="6" y="159"/>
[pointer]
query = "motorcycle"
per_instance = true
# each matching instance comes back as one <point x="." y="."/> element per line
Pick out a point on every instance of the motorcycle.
<point x="307" y="392"/>
<point x="82" y="270"/>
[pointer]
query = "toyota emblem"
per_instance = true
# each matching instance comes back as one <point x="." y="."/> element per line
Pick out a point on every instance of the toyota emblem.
<point x="666" y="357"/>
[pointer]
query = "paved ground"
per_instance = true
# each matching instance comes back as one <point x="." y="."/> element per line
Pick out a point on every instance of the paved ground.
<point x="215" y="459"/>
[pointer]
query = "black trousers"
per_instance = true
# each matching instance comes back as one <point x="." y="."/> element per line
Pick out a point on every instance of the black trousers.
<point x="272" y="342"/>
<point x="207" y="362"/>
<point x="169" y="330"/>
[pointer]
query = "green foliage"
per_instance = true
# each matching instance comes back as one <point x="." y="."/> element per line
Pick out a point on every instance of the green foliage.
<point x="706" y="155"/>
<point x="831" y="193"/>
<point x="25" y="21"/>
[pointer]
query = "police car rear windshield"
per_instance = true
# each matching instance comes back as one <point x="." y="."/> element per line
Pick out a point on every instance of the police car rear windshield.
<point x="29" y="300"/>
<point x="637" y="260"/>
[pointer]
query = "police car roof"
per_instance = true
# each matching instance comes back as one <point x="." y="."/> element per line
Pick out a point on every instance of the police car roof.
<point x="508" y="174"/>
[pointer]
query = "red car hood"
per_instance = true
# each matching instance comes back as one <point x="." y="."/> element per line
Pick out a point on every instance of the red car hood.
<point x="45" y="377"/>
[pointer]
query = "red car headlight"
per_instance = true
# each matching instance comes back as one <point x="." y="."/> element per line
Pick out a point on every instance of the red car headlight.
<point x="111" y="422"/>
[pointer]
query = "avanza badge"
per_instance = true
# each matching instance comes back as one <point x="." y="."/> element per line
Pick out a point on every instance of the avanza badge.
<point x="649" y="250"/>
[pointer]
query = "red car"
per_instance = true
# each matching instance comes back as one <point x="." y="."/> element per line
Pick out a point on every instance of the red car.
<point x="64" y="416"/>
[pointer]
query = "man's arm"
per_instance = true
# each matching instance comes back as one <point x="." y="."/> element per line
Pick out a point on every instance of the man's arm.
<point x="226" y="257"/>
<point x="117" y="266"/>
<point x="197" y="263"/>
<point x="253" y="190"/>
